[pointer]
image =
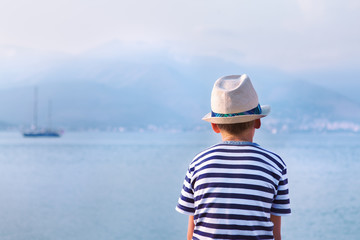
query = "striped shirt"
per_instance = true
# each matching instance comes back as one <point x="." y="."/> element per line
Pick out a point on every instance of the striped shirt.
<point x="232" y="188"/>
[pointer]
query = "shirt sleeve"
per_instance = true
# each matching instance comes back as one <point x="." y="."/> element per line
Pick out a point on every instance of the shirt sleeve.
<point x="281" y="202"/>
<point x="186" y="200"/>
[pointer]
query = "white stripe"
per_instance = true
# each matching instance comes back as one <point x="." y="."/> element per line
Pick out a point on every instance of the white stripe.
<point x="234" y="190"/>
<point x="185" y="204"/>
<point x="234" y="201"/>
<point x="282" y="197"/>
<point x="186" y="194"/>
<point x="281" y="206"/>
<point x="240" y="222"/>
<point x="188" y="175"/>
<point x="201" y="237"/>
<point x="234" y="232"/>
<point x="182" y="211"/>
<point x="232" y="212"/>
<point x="282" y="187"/>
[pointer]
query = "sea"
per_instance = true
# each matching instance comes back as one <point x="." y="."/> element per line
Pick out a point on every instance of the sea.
<point x="125" y="185"/>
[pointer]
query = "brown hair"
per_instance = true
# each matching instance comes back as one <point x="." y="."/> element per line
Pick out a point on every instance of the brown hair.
<point x="236" y="128"/>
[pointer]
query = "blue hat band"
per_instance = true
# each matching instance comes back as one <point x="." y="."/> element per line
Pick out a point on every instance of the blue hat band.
<point x="255" y="111"/>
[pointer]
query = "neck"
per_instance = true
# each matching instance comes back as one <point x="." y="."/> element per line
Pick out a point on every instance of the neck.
<point x="243" y="137"/>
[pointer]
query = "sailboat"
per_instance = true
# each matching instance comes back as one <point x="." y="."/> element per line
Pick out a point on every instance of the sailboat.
<point x="34" y="131"/>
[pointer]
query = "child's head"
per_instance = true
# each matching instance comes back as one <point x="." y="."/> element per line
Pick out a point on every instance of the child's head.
<point x="234" y="105"/>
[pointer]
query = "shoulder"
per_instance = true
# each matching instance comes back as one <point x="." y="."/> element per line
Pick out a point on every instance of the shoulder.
<point x="224" y="150"/>
<point x="273" y="157"/>
<point x="203" y="154"/>
<point x="209" y="152"/>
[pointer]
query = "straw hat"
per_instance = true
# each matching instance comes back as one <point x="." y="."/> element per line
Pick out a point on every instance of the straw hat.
<point x="234" y="100"/>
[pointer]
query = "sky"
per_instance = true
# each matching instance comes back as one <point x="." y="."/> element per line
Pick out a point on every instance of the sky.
<point x="291" y="36"/>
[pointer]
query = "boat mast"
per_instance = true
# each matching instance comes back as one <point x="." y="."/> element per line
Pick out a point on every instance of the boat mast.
<point x="35" y="108"/>
<point x="49" y="115"/>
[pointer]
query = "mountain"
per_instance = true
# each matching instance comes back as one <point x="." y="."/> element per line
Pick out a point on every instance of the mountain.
<point x="114" y="87"/>
<point x="303" y="106"/>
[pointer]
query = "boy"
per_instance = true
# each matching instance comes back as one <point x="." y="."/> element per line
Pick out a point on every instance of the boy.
<point x="235" y="189"/>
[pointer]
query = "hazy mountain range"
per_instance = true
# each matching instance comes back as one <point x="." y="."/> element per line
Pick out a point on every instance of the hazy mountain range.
<point x="116" y="88"/>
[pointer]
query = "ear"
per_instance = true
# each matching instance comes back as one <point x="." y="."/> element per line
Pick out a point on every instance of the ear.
<point x="257" y="124"/>
<point x="215" y="127"/>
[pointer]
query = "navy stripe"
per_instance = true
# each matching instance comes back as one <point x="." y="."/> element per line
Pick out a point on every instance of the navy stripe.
<point x="231" y="217"/>
<point x="234" y="206"/>
<point x="187" y="179"/>
<point x="283" y="182"/>
<point x="186" y="209"/>
<point x="185" y="199"/>
<point x="188" y="190"/>
<point x="234" y="175"/>
<point x="282" y="201"/>
<point x="281" y="210"/>
<point x="235" y="185"/>
<point x="234" y="195"/>
<point x="235" y="227"/>
<point x="283" y="192"/>
<point x="239" y="166"/>
<point x="236" y="237"/>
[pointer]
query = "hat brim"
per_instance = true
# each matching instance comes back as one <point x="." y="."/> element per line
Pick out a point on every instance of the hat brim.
<point x="265" y="110"/>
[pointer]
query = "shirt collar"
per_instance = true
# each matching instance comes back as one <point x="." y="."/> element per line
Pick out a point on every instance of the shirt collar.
<point x="240" y="143"/>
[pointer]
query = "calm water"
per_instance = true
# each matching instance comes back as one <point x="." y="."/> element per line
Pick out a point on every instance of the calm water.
<point x="126" y="185"/>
